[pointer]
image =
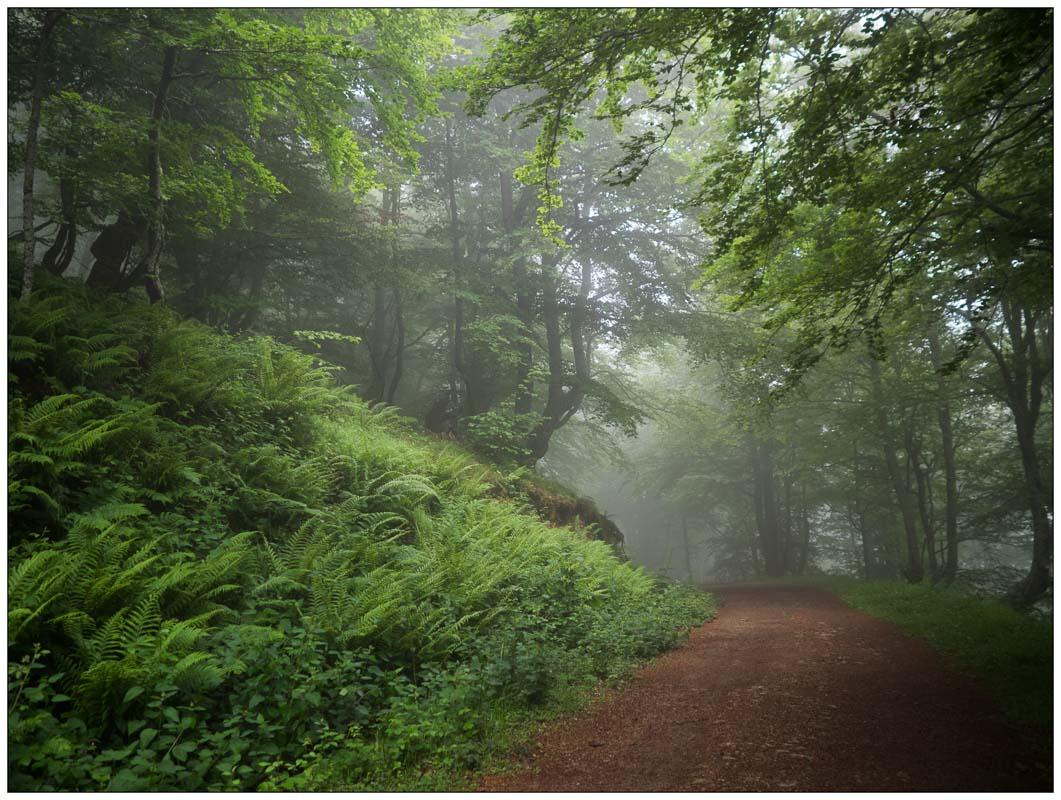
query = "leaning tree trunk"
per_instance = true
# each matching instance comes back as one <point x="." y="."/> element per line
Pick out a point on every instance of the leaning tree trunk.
<point x="29" y="165"/>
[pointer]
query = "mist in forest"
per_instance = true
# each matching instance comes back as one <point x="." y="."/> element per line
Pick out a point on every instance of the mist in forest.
<point x="595" y="289"/>
<point x="384" y="382"/>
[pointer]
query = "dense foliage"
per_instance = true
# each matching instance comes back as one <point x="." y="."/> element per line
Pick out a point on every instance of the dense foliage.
<point x="773" y="286"/>
<point x="227" y="572"/>
<point x="875" y="185"/>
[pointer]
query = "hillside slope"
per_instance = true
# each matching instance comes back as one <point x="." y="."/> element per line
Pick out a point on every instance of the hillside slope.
<point x="225" y="572"/>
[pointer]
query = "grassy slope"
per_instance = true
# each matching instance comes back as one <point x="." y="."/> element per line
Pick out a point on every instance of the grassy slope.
<point x="225" y="572"/>
<point x="1010" y="653"/>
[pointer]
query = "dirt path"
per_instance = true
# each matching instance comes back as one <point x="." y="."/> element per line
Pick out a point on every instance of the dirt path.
<point x="788" y="689"/>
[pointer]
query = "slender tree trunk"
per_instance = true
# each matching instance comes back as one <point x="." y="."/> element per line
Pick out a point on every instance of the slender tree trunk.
<point x="688" y="549"/>
<point x="377" y="344"/>
<point x="804" y="525"/>
<point x="579" y="346"/>
<point x="29" y="165"/>
<point x="860" y="515"/>
<point x="914" y="571"/>
<point x="786" y="550"/>
<point x="923" y="486"/>
<point x="943" y="416"/>
<point x="457" y="339"/>
<point x="524" y="395"/>
<point x="399" y="353"/>
<point x="148" y="268"/>
<point x="767" y="512"/>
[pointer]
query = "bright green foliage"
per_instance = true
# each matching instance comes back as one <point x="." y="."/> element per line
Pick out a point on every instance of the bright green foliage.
<point x="242" y="74"/>
<point x="228" y="573"/>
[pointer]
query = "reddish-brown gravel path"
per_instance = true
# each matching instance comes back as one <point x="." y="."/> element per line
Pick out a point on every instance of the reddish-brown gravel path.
<point x="788" y="689"/>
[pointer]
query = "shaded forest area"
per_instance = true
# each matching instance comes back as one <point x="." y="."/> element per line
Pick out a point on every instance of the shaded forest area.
<point x="773" y="287"/>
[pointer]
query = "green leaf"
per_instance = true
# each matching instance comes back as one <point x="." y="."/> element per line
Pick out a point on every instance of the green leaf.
<point x="147" y="736"/>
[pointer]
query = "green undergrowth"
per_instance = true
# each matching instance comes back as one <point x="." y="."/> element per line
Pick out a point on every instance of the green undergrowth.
<point x="226" y="572"/>
<point x="1009" y="653"/>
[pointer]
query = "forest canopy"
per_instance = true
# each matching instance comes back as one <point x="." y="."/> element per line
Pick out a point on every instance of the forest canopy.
<point x="798" y="260"/>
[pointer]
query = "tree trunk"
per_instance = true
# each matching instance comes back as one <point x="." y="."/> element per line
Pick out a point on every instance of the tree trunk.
<point x="1024" y="374"/>
<point x="860" y="515"/>
<point x="579" y="345"/>
<point x="688" y="550"/>
<point x="924" y="498"/>
<point x="457" y="339"/>
<point x="29" y="165"/>
<point x="914" y="571"/>
<point x="786" y="547"/>
<point x="111" y="251"/>
<point x="399" y="351"/>
<point x="943" y="416"/>
<point x="524" y="394"/>
<point x="377" y="336"/>
<point x="148" y="268"/>
<point x="61" y="253"/>
<point x="767" y="512"/>
<point x="560" y="405"/>
<point x="804" y="525"/>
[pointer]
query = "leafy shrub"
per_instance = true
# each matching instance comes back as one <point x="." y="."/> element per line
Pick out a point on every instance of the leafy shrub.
<point x="225" y="572"/>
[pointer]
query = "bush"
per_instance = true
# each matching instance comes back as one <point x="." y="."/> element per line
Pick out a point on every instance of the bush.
<point x="226" y="572"/>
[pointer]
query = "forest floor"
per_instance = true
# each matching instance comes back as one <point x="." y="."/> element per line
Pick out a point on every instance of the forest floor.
<point x="787" y="690"/>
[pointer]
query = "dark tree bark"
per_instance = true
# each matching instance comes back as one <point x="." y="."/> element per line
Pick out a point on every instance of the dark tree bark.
<point x="29" y="164"/>
<point x="61" y="253"/>
<point x="565" y="393"/>
<point x="111" y="251"/>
